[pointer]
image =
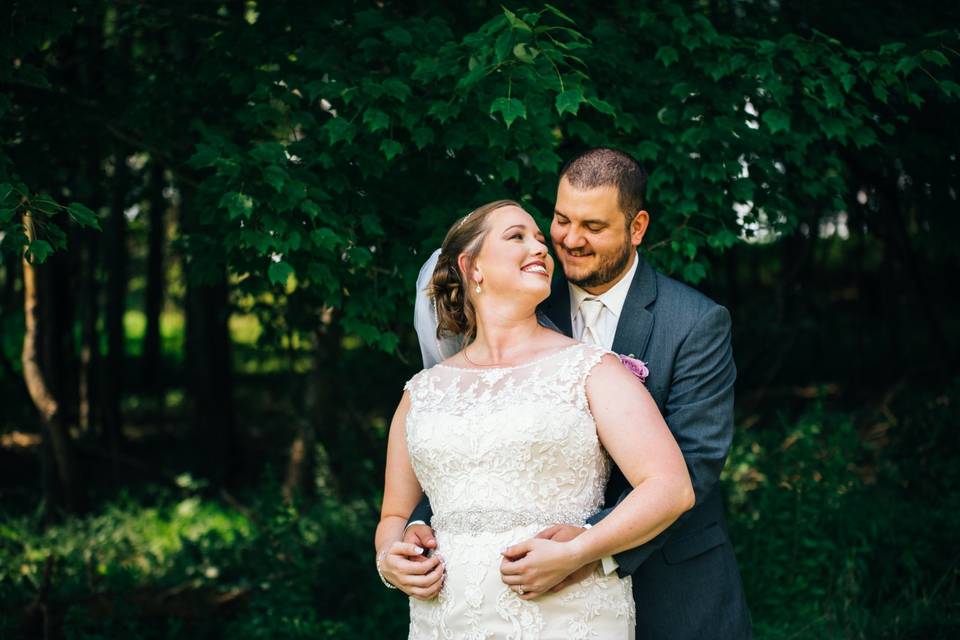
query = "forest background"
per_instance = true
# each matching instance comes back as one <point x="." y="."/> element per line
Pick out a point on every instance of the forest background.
<point x="211" y="218"/>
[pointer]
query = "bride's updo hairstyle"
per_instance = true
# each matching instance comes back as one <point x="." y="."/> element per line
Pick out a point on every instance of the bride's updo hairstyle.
<point x="451" y="289"/>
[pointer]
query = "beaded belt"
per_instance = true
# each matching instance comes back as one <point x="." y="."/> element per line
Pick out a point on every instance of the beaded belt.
<point x="497" y="521"/>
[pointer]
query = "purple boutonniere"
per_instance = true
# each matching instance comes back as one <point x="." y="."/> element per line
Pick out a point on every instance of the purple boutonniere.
<point x="636" y="367"/>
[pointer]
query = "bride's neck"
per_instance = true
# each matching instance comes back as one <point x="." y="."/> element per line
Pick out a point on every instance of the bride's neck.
<point x="502" y="338"/>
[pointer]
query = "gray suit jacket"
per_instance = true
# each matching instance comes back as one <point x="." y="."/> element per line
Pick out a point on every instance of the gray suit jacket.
<point x="685" y="581"/>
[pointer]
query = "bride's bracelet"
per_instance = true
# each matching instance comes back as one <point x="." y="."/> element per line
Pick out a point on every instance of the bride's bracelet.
<point x="380" y="557"/>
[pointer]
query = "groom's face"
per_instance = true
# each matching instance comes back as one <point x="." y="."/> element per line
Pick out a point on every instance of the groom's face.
<point x="591" y="237"/>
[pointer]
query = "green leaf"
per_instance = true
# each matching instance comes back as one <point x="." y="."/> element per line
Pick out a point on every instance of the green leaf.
<point x="279" y="272"/>
<point x="880" y="93"/>
<point x="602" y="106"/>
<point x="569" y="101"/>
<point x="371" y="225"/>
<point x="83" y="216"/>
<point x="906" y="65"/>
<point x="848" y="80"/>
<point x="510" y="108"/>
<point x="339" y="129"/>
<point x="6" y="214"/>
<point x="864" y="137"/>
<point x="293" y="240"/>
<point x="524" y="53"/>
<point x="398" y="36"/>
<point x="546" y="161"/>
<point x="713" y="172"/>
<point x="390" y="148"/>
<point x="935" y="57"/>
<point x="270" y="152"/>
<point x="6" y="190"/>
<point x="646" y="150"/>
<point x="205" y="156"/>
<point x="742" y="189"/>
<point x="38" y="250"/>
<point x="514" y="21"/>
<point x="237" y="205"/>
<point x="950" y="87"/>
<point x="560" y="14"/>
<point x="832" y="94"/>
<point x="694" y="272"/>
<point x="45" y="205"/>
<point x="274" y="176"/>
<point x="376" y="120"/>
<point x="325" y="238"/>
<point x="776" y="120"/>
<point x="509" y="170"/>
<point x="722" y="239"/>
<point x="422" y="136"/>
<point x="502" y="47"/>
<point x="360" y="256"/>
<point x="396" y="88"/>
<point x="443" y="111"/>
<point x="833" y="127"/>
<point x="667" y="55"/>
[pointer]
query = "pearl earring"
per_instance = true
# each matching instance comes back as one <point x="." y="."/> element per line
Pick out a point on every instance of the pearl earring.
<point x="478" y="288"/>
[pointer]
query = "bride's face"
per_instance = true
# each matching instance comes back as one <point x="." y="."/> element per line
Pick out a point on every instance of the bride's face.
<point x="513" y="260"/>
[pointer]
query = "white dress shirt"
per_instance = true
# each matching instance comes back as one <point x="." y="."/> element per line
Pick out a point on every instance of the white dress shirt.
<point x="613" y="300"/>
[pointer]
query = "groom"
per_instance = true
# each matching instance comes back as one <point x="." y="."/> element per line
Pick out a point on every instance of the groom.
<point x="685" y="581"/>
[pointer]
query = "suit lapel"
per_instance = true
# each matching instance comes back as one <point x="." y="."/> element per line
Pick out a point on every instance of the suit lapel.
<point x="636" y="320"/>
<point x="557" y="306"/>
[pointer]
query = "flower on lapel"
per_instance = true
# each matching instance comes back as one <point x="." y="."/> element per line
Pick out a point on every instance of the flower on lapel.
<point x="636" y="367"/>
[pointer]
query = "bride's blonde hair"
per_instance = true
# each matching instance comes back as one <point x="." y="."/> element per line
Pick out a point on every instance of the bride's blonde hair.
<point x="449" y="287"/>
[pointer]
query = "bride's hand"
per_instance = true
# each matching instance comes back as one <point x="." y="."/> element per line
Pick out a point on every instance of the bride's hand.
<point x="536" y="566"/>
<point x="405" y="567"/>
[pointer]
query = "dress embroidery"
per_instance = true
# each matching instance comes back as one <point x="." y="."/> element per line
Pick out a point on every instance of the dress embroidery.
<point x="502" y="454"/>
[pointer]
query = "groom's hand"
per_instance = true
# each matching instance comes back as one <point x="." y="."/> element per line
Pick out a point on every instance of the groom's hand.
<point x="420" y="535"/>
<point x="564" y="533"/>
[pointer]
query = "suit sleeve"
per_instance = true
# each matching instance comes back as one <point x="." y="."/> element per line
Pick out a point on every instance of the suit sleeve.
<point x="699" y="412"/>
<point x="422" y="511"/>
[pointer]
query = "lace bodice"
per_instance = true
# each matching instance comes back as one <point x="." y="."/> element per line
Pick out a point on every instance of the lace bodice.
<point x="502" y="454"/>
<point x="501" y="447"/>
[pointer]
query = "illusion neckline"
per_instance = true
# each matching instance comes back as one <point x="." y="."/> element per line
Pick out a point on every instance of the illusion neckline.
<point x="537" y="360"/>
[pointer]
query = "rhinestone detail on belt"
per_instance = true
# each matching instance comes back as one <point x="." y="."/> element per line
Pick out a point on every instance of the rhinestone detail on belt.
<point x="496" y="521"/>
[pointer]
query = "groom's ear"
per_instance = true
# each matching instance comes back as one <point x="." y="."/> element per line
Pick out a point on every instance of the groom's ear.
<point x="638" y="227"/>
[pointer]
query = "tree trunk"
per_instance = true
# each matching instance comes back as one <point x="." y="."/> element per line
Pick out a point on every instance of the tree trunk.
<point x="90" y="193"/>
<point x="89" y="337"/>
<point x="36" y="341"/>
<point x="115" y="255"/>
<point x="209" y="363"/>
<point x="155" y="282"/>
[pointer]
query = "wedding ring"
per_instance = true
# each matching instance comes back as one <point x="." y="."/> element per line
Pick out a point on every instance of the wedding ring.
<point x="520" y="590"/>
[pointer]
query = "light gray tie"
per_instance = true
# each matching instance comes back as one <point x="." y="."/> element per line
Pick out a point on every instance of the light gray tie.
<point x="590" y="310"/>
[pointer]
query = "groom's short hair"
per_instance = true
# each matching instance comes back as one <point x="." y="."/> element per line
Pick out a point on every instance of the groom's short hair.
<point x="603" y="167"/>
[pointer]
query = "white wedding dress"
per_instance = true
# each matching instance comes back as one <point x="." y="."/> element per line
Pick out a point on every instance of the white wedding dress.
<point x="503" y="453"/>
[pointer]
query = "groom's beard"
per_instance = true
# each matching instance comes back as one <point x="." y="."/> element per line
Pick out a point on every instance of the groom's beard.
<point x="608" y="270"/>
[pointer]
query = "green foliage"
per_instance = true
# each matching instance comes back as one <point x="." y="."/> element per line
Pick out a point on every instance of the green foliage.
<point x="837" y="534"/>
<point x="273" y="567"/>
<point x="336" y="142"/>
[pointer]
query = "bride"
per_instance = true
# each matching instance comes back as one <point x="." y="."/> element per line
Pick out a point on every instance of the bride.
<point x="514" y="434"/>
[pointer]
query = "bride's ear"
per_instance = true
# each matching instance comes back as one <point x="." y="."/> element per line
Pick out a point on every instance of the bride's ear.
<point x="471" y="273"/>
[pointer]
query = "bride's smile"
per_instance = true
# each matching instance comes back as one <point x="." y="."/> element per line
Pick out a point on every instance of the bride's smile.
<point x="513" y="244"/>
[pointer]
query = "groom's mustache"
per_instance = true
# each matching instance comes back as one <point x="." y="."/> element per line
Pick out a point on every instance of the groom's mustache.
<point x="576" y="252"/>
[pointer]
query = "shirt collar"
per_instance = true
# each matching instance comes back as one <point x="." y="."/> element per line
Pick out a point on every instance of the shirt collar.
<point x="613" y="298"/>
